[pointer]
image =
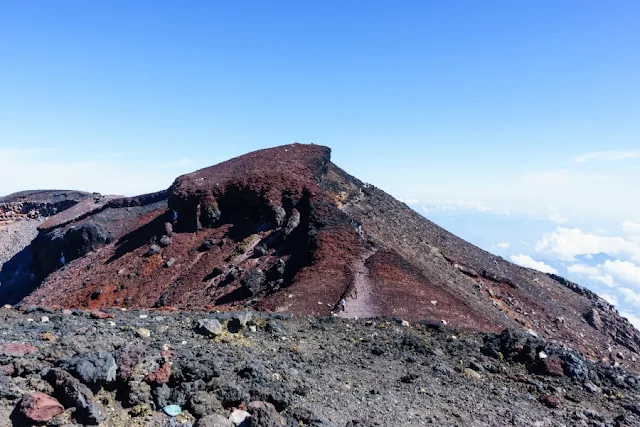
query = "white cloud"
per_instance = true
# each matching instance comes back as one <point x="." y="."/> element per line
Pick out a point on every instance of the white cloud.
<point x="607" y="155"/>
<point x="567" y="243"/>
<point x="630" y="227"/>
<point x="630" y="296"/>
<point x="557" y="218"/>
<point x="623" y="271"/>
<point x="635" y="320"/>
<point x="527" y="261"/>
<point x="503" y="245"/>
<point x="592" y="273"/>
<point x="425" y="209"/>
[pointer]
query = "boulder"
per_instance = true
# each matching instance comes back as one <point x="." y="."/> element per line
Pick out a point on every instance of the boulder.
<point x="72" y="393"/>
<point x="209" y="327"/>
<point x="128" y="357"/>
<point x="39" y="407"/>
<point x="16" y="349"/>
<point x="91" y="368"/>
<point x="253" y="281"/>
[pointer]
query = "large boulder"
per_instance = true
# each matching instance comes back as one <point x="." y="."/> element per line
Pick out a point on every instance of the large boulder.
<point x="39" y="407"/>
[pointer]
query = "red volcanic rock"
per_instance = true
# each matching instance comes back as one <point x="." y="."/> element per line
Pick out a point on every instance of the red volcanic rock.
<point x="160" y="375"/>
<point x="97" y="314"/>
<point x="16" y="349"/>
<point x="552" y="366"/>
<point x="286" y="230"/>
<point x="551" y="400"/>
<point x="7" y="370"/>
<point x="39" y="407"/>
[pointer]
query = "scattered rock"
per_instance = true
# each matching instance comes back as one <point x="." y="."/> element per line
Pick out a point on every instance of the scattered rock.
<point x="472" y="374"/>
<point x="170" y="262"/>
<point x="253" y="281"/>
<point x="128" y="357"/>
<point x="16" y="349"/>
<point x="47" y="336"/>
<point x="143" y="332"/>
<point x="293" y="222"/>
<point x="91" y="368"/>
<point x="209" y="327"/>
<point x="164" y="241"/>
<point x="71" y="393"/>
<point x="551" y="401"/>
<point x="592" y="388"/>
<point x="593" y="318"/>
<point x="237" y="322"/>
<point x="153" y="249"/>
<point x="203" y="403"/>
<point x="39" y="407"/>
<point x="160" y="375"/>
<point x="231" y="396"/>
<point x="552" y="366"/>
<point x="97" y="314"/>
<point x="214" y="420"/>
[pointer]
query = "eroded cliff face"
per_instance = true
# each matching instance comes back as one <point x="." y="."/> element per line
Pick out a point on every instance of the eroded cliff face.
<point x="284" y="229"/>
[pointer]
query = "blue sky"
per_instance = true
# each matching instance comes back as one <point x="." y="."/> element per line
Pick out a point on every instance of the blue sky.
<point x="495" y="118"/>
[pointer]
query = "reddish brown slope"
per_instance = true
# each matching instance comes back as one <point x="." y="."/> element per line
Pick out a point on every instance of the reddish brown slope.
<point x="284" y="229"/>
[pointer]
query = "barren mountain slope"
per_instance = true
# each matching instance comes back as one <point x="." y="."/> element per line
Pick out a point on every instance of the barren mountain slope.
<point x="284" y="229"/>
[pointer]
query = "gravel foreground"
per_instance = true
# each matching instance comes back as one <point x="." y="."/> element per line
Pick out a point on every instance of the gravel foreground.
<point x="155" y="368"/>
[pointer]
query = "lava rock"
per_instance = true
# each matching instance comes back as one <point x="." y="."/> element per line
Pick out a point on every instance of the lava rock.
<point x="237" y="322"/>
<point x="39" y="407"/>
<point x="203" y="403"/>
<point x="259" y="250"/>
<point x="552" y="366"/>
<point x="593" y="318"/>
<point x="551" y="401"/>
<point x="164" y="241"/>
<point x="253" y="281"/>
<point x="138" y="393"/>
<point x="161" y="396"/>
<point x="91" y="368"/>
<point x="293" y="222"/>
<point x="72" y="393"/>
<point x="128" y="357"/>
<point x="231" y="395"/>
<point x="16" y="349"/>
<point x="209" y="327"/>
<point x="189" y="370"/>
<point x="214" y="420"/>
<point x="153" y="249"/>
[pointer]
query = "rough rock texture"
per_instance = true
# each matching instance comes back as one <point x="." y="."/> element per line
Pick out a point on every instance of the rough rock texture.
<point x="39" y="407"/>
<point x="328" y="371"/>
<point x="285" y="230"/>
<point x="20" y="215"/>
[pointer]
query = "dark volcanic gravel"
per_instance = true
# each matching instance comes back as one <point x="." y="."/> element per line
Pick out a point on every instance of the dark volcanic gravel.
<point x="122" y="368"/>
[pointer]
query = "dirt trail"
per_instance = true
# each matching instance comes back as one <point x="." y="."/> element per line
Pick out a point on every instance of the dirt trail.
<point x="359" y="301"/>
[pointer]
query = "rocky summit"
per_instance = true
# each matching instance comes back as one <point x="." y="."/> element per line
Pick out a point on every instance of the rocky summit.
<point x="190" y="306"/>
